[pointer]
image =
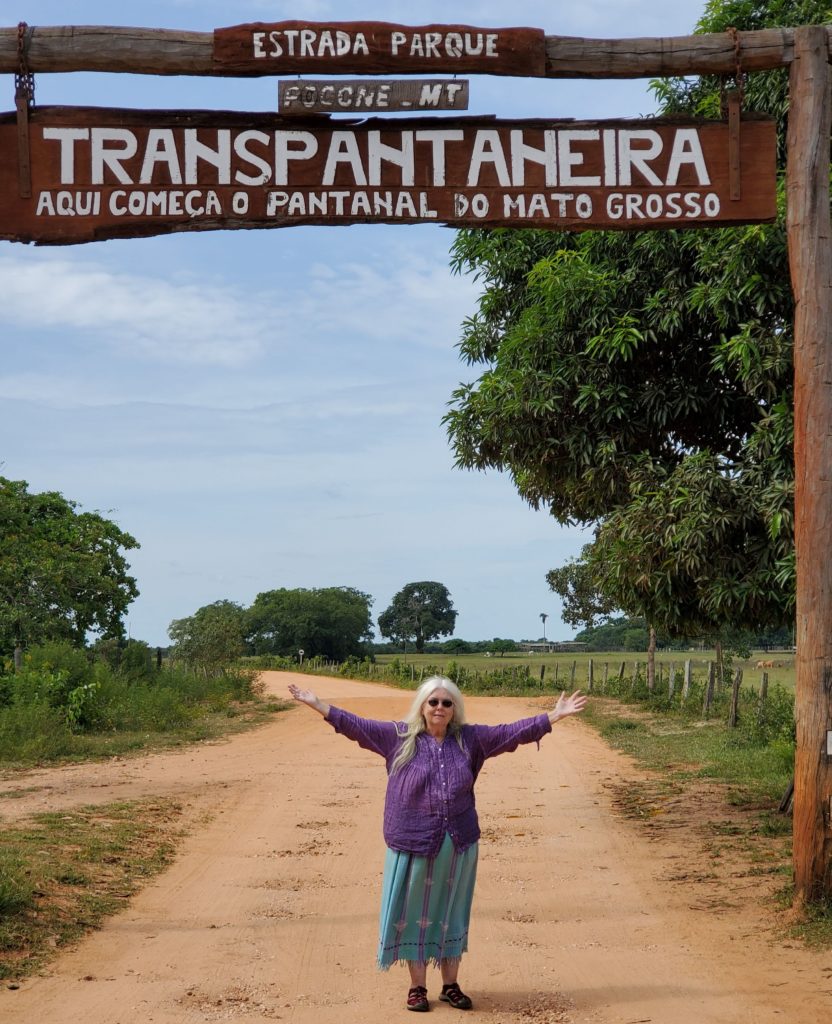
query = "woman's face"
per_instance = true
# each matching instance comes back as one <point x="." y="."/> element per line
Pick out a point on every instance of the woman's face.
<point x="437" y="713"/>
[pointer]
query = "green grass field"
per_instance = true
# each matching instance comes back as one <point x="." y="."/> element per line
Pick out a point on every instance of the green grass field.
<point x="782" y="671"/>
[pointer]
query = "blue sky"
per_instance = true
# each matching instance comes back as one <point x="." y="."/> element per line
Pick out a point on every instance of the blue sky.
<point x="262" y="409"/>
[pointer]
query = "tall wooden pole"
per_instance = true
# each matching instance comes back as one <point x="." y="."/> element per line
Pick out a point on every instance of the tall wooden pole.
<point x="810" y="261"/>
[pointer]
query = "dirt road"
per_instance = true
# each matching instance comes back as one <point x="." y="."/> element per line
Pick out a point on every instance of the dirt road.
<point x="269" y="910"/>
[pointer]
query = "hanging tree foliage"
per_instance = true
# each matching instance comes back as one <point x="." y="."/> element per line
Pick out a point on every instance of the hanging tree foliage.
<point x="642" y="381"/>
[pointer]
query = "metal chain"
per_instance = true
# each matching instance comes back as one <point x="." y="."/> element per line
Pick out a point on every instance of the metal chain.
<point x="24" y="80"/>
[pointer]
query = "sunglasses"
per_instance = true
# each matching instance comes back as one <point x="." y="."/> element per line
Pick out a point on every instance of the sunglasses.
<point x="435" y="702"/>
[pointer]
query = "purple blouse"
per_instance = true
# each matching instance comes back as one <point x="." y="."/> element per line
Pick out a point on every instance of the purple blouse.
<point x="434" y="792"/>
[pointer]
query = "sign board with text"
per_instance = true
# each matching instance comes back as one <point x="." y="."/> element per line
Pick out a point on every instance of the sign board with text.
<point x="99" y="173"/>
<point x="378" y="48"/>
<point x="348" y="96"/>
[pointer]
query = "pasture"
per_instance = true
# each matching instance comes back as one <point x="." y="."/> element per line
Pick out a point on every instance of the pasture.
<point x="781" y="671"/>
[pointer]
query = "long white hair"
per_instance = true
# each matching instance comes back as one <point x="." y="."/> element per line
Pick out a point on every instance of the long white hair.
<point x="415" y="721"/>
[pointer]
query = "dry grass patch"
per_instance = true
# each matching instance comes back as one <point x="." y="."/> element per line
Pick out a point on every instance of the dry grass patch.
<point x="62" y="873"/>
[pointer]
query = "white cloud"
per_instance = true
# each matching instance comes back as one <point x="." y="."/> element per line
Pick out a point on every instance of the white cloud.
<point x="172" y="322"/>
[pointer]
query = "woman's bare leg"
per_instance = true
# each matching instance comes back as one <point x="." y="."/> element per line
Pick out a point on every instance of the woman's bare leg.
<point x="418" y="973"/>
<point x="450" y="970"/>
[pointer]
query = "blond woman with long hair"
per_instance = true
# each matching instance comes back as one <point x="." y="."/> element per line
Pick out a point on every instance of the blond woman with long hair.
<point x="431" y="828"/>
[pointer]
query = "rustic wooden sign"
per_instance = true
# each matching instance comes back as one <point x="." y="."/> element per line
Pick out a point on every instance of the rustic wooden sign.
<point x="376" y="47"/>
<point x="350" y="96"/>
<point x="99" y="173"/>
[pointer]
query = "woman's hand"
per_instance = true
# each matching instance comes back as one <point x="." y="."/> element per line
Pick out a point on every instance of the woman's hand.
<point x="309" y="698"/>
<point x="566" y="706"/>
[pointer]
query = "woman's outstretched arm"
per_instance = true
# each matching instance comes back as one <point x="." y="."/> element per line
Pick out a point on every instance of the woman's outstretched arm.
<point x="308" y="698"/>
<point x="566" y="706"/>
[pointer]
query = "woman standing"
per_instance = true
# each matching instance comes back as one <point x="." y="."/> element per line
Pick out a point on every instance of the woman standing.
<point x="431" y="828"/>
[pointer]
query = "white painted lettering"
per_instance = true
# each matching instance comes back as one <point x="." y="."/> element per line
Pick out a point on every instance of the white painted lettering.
<point x="377" y="151"/>
<point x="488" y="150"/>
<point x="343" y="149"/>
<point x="45" y="207"/>
<point x="242" y="151"/>
<point x="438" y="138"/>
<point x="104" y="155"/>
<point x="160" y="149"/>
<point x="687" y="149"/>
<point x="629" y="158"/>
<point x="567" y="159"/>
<point x="220" y="158"/>
<point x="291" y="145"/>
<point x="67" y="138"/>
<point x="520" y="153"/>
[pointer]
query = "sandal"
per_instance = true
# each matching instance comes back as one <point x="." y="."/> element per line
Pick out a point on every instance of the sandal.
<point x="417" y="999"/>
<point x="454" y="995"/>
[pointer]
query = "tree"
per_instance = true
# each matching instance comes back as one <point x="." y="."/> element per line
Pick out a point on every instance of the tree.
<point x="212" y="638"/>
<point x="620" y="363"/>
<point x="420" y="612"/>
<point x="543" y="618"/>
<point x="63" y="573"/>
<point x="330" y="622"/>
<point x="499" y="646"/>
<point x="574" y="583"/>
<point x="622" y="366"/>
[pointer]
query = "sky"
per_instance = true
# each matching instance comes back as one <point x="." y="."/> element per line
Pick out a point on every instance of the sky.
<point x="262" y="409"/>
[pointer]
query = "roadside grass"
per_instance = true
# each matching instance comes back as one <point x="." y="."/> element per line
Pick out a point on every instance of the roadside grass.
<point x="66" y="712"/>
<point x="752" y="777"/>
<point x="62" y="873"/>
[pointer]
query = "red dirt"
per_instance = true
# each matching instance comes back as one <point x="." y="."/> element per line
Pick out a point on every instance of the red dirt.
<point x="268" y="911"/>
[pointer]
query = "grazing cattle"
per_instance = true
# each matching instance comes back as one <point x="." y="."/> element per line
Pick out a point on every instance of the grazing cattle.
<point x="766" y="664"/>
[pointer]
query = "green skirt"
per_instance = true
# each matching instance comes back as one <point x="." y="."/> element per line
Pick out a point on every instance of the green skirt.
<point x="426" y="905"/>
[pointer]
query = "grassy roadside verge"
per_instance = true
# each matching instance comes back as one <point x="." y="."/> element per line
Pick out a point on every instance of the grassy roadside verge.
<point x="70" y="710"/>
<point x="728" y="784"/>
<point x="62" y="873"/>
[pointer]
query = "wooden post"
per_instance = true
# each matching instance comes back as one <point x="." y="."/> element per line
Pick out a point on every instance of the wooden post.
<point x="761" y="703"/>
<point x="572" y="675"/>
<point x="734" y="713"/>
<point x="590" y="676"/>
<point x="621" y="672"/>
<point x="810" y="263"/>
<point x="686" y="683"/>
<point x="606" y="676"/>
<point x="709" y="690"/>
<point x="556" y="675"/>
<point x="671" y="680"/>
<point x="651" y="661"/>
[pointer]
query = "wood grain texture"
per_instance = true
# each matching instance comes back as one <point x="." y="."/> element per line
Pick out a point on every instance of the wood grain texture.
<point x="375" y="47"/>
<point x="810" y="256"/>
<point x="151" y="51"/>
<point x="99" y="173"/>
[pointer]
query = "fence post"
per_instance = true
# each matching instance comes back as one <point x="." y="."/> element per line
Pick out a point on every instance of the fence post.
<point x="590" y="677"/>
<point x="556" y="675"/>
<point x="542" y="674"/>
<point x="621" y="672"/>
<point x="671" y="680"/>
<point x="709" y="689"/>
<point x="686" y="683"/>
<point x="572" y="675"/>
<point x="733" y="714"/>
<point x="606" y="676"/>
<point x="761" y="704"/>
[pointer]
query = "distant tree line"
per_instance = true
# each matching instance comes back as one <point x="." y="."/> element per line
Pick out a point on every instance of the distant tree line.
<point x="632" y="634"/>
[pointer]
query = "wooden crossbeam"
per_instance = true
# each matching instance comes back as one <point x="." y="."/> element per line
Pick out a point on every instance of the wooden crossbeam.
<point x="149" y="51"/>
